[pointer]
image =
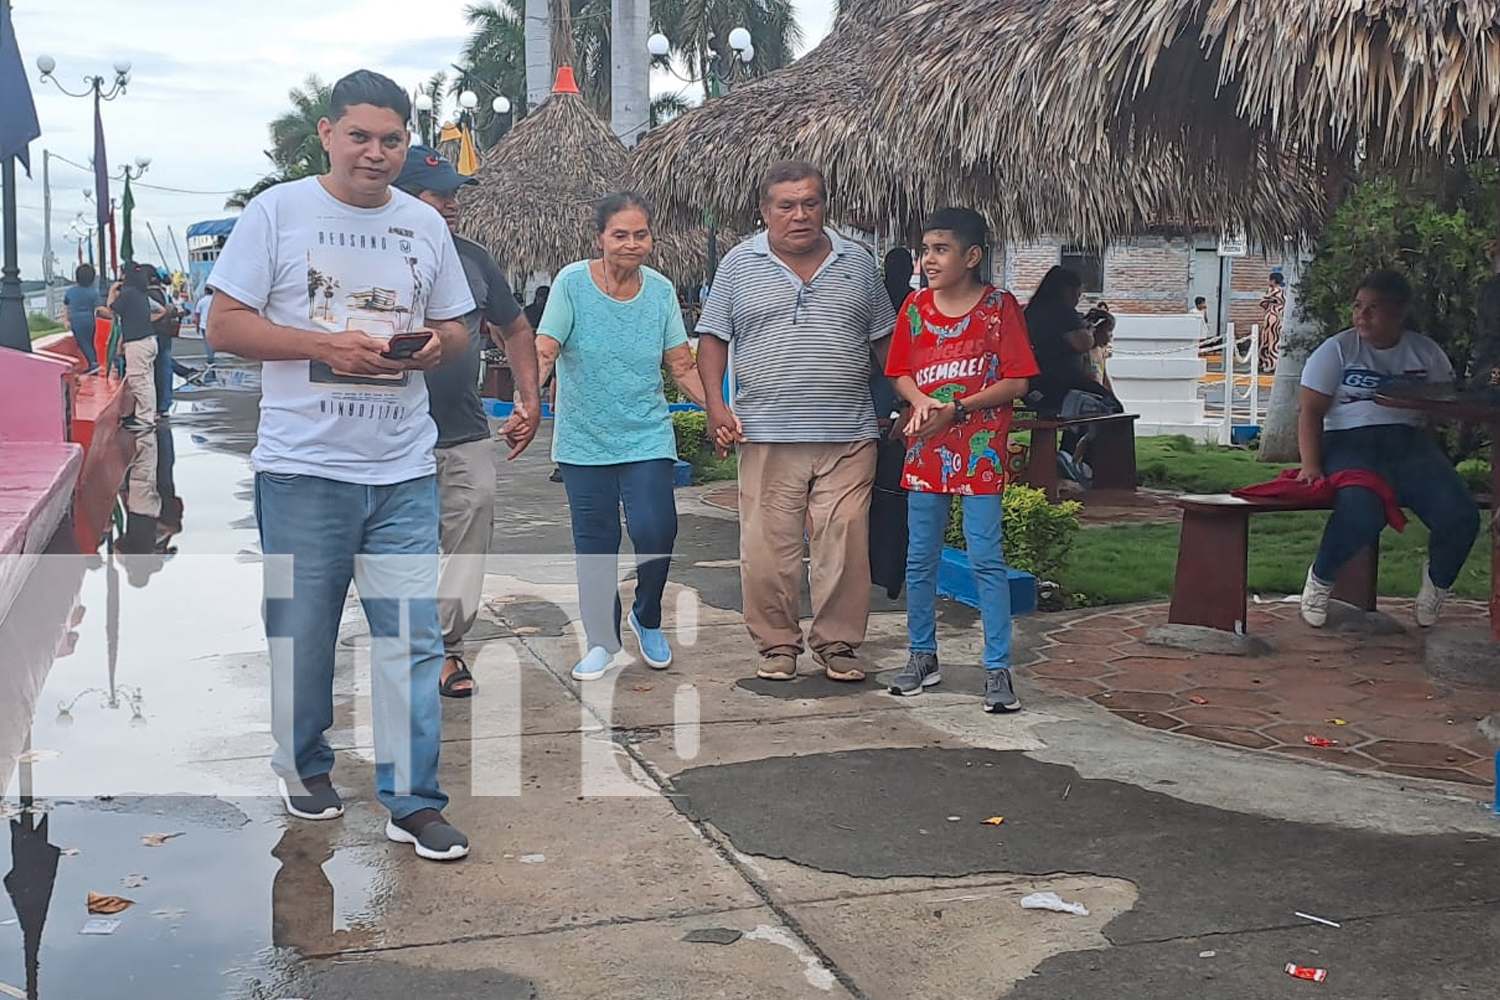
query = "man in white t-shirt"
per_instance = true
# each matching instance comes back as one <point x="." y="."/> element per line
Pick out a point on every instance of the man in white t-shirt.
<point x="316" y="279"/>
<point x="1341" y="428"/>
<point x="200" y="320"/>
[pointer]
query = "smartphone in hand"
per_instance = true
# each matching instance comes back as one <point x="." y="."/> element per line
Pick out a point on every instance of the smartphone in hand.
<point x="404" y="346"/>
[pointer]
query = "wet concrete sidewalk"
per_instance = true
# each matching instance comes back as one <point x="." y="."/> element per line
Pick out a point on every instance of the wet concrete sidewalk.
<point x="693" y="833"/>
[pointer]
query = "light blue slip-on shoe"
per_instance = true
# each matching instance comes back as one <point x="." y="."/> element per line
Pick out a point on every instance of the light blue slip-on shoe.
<point x="655" y="649"/>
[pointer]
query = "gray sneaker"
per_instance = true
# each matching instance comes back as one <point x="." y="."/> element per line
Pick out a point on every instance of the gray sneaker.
<point x="999" y="695"/>
<point x="921" y="671"/>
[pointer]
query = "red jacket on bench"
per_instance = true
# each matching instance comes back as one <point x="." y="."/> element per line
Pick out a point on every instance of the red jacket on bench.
<point x="1286" y="487"/>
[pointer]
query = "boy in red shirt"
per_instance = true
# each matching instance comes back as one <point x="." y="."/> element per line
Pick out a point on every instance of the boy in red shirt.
<point x="960" y="356"/>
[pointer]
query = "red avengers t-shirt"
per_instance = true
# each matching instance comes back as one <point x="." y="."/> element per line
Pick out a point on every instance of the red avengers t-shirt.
<point x="950" y="358"/>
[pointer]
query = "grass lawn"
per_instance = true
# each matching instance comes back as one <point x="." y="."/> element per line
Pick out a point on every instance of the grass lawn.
<point x="1135" y="562"/>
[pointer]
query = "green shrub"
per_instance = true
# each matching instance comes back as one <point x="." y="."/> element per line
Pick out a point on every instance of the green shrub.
<point x="1037" y="535"/>
<point x="1475" y="472"/>
<point x="691" y="428"/>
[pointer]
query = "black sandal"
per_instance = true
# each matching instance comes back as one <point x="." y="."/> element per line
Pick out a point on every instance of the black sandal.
<point x="447" y="689"/>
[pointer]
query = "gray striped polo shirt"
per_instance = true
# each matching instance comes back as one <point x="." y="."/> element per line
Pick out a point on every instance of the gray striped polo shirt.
<point x="800" y="352"/>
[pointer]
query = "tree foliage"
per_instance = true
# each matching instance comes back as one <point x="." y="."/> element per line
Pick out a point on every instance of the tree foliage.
<point x="296" y="150"/>
<point x="1437" y="230"/>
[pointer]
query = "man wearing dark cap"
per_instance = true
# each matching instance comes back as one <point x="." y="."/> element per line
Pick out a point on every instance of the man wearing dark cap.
<point x="465" y="453"/>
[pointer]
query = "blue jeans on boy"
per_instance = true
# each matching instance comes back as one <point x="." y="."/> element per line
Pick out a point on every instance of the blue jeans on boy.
<point x="927" y="521"/>
<point x="1409" y="460"/>
<point x="595" y="495"/>
<point x="318" y="535"/>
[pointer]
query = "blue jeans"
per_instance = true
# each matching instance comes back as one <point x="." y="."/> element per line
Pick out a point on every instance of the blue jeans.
<point x="328" y="533"/>
<point x="208" y="349"/>
<point x="595" y="495"/>
<point x="1409" y="460"/>
<point x="83" y="335"/>
<point x="164" y="368"/>
<point x="927" y="520"/>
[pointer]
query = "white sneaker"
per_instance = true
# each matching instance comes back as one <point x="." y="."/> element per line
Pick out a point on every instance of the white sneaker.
<point x="1429" y="600"/>
<point x="595" y="664"/>
<point x="1315" y="595"/>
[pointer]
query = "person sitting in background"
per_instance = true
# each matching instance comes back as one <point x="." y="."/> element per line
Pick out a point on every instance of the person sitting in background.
<point x="1062" y="341"/>
<point x="1341" y="427"/>
<point x="80" y="301"/>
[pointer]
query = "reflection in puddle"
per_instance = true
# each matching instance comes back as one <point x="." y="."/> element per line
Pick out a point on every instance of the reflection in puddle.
<point x="139" y="670"/>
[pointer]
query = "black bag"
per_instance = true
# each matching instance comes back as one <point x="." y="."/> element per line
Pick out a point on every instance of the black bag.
<point x="888" y="515"/>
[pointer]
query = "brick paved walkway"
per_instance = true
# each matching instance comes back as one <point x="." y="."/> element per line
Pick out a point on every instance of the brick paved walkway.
<point x="1396" y="718"/>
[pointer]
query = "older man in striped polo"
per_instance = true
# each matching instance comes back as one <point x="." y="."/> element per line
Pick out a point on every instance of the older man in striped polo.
<point x="804" y="313"/>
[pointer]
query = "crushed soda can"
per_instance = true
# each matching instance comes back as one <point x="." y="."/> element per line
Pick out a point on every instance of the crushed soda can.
<point x="1302" y="972"/>
<point x="1318" y="741"/>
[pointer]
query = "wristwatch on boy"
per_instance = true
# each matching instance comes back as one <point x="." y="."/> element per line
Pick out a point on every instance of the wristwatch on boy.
<point x="960" y="411"/>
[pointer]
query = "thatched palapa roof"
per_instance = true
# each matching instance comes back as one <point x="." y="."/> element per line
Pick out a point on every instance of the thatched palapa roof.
<point x="861" y="105"/>
<point x="534" y="205"/>
<point x="711" y="158"/>
<point x="1313" y="79"/>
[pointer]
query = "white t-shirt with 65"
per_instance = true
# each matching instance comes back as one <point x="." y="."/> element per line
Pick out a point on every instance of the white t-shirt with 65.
<point x="1352" y="372"/>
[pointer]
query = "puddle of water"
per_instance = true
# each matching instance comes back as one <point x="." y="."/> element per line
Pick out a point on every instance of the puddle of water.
<point x="145" y="673"/>
<point x="215" y="910"/>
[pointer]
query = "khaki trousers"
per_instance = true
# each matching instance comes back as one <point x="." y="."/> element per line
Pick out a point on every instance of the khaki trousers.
<point x="140" y="378"/>
<point x="782" y="487"/>
<point x="466" y="503"/>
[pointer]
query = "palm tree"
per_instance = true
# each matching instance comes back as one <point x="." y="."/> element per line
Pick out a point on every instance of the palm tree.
<point x="296" y="149"/>
<point x="496" y="49"/>
<point x="700" y="28"/>
<point x="294" y="134"/>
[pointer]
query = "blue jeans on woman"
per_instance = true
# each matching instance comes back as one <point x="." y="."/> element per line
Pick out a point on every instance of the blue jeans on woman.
<point x="595" y="496"/>
<point x="1409" y="460"/>
<point x="927" y="521"/>
<point x="318" y="535"/>
<point x="83" y="335"/>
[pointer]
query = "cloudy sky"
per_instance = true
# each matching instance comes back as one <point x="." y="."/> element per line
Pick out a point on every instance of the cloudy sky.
<point x="206" y="78"/>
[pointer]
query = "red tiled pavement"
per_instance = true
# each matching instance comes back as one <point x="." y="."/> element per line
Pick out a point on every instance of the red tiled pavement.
<point x="1395" y="718"/>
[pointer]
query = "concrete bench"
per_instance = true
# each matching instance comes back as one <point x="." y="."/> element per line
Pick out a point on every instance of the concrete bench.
<point x="1211" y="586"/>
<point x="1111" y="454"/>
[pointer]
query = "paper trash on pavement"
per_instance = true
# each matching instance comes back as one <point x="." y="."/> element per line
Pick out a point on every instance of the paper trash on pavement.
<point x="1052" y="901"/>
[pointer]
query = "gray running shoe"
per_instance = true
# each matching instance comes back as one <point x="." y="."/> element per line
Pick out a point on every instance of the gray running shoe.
<point x="999" y="695"/>
<point x="921" y="671"/>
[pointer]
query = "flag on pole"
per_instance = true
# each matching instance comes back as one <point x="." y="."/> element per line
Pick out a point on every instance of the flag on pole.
<point x="102" y="215"/>
<point x="127" y="205"/>
<point x="18" y="122"/>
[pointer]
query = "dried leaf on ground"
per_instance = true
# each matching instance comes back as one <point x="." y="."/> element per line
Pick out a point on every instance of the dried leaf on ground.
<point x="994" y="821"/>
<point x="1336" y="722"/>
<point x="157" y="839"/>
<point x="1198" y="699"/>
<point x="102" y="905"/>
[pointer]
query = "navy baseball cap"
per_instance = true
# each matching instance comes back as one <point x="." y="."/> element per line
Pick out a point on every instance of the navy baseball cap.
<point x="429" y="170"/>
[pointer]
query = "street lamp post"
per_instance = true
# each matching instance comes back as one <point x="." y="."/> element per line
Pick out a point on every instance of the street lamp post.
<point x="660" y="48"/>
<point x="719" y="82"/>
<point x="424" y="124"/>
<point x="100" y="90"/>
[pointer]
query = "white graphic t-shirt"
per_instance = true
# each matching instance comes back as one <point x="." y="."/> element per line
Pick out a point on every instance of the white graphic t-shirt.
<point x="1352" y="372"/>
<point x="304" y="259"/>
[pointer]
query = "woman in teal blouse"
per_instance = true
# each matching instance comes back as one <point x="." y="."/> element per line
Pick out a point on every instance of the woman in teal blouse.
<point x="609" y="327"/>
